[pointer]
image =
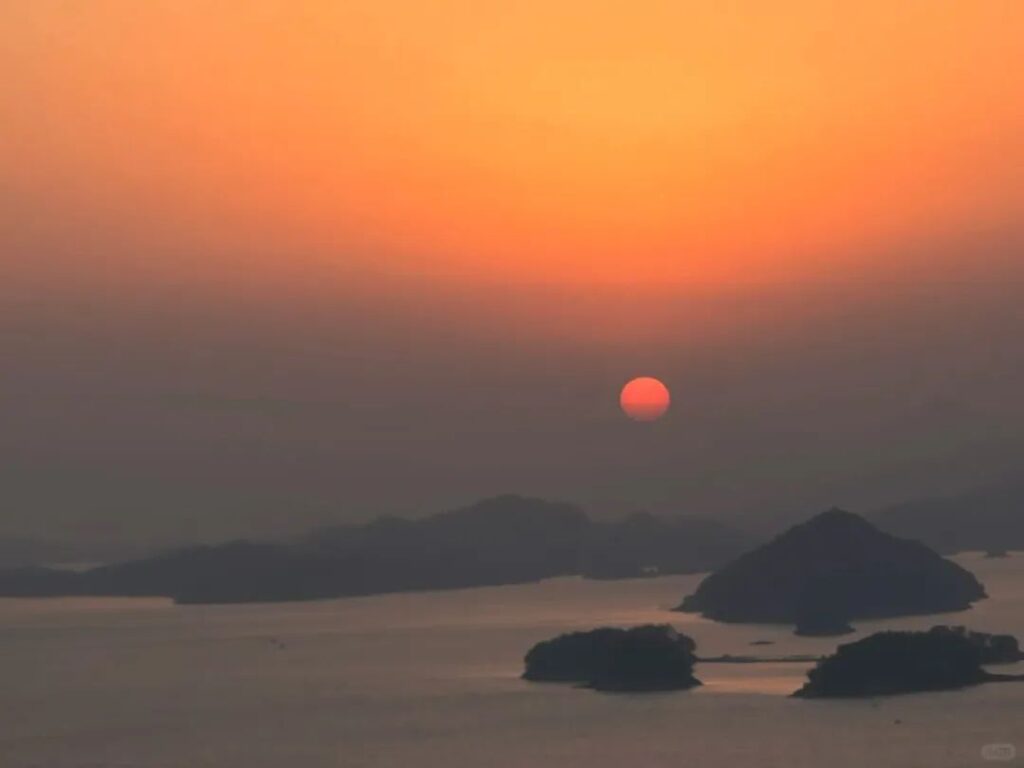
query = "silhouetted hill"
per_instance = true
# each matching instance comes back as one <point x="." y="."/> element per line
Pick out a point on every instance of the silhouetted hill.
<point x="505" y="538"/>
<point x="647" y="658"/>
<point x="502" y="540"/>
<point x="982" y="519"/>
<point x="835" y="563"/>
<point x="644" y="544"/>
<point x="899" y="662"/>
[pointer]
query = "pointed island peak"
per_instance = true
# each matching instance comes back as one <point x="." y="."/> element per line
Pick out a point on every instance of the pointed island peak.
<point x="835" y="566"/>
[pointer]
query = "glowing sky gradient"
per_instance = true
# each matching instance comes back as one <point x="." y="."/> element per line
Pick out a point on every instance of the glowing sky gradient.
<point x="453" y="228"/>
<point x="655" y="142"/>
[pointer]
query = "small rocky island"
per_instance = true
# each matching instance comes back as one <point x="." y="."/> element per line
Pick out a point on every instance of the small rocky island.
<point x="646" y="658"/>
<point x="832" y="569"/>
<point x="886" y="663"/>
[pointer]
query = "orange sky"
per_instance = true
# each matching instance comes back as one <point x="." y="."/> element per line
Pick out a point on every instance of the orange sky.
<point x="274" y="261"/>
<point x="659" y="142"/>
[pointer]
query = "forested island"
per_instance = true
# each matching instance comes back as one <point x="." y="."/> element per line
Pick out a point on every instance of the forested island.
<point x="645" y="658"/>
<point x="886" y="663"/>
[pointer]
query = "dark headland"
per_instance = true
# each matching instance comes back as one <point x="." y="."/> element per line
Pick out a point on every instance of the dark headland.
<point x="830" y="570"/>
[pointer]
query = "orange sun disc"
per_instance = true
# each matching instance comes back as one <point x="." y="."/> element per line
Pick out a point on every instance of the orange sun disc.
<point x="645" y="399"/>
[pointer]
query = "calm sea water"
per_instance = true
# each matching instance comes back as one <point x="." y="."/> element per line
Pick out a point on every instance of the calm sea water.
<point x="431" y="679"/>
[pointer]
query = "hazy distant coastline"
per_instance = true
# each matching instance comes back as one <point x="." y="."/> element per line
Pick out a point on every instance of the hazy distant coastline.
<point x="502" y="540"/>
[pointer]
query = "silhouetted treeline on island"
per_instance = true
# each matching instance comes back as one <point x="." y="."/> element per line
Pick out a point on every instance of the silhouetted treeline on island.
<point x="658" y="658"/>
<point x="829" y="570"/>
<point x="991" y="649"/>
<point x="647" y="658"/>
<point x="502" y="540"/>
<point x="887" y="663"/>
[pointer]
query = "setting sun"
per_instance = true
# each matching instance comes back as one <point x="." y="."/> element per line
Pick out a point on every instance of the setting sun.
<point x="645" y="399"/>
<point x="331" y="301"/>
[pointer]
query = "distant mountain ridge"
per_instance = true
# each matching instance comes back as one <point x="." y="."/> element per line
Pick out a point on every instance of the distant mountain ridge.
<point x="987" y="518"/>
<point x="501" y="540"/>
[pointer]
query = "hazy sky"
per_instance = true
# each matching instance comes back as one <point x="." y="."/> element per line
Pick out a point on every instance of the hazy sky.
<point x="273" y="263"/>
